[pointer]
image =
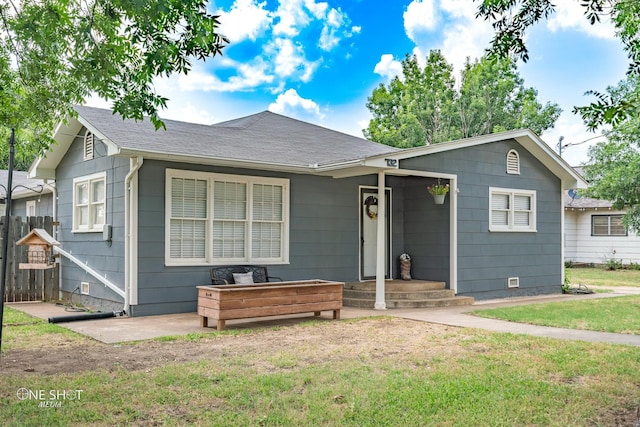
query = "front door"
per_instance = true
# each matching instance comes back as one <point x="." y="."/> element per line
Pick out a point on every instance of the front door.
<point x="369" y="232"/>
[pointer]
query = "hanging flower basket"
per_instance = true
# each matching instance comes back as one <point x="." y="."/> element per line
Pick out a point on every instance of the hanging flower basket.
<point x="438" y="199"/>
<point x="438" y="191"/>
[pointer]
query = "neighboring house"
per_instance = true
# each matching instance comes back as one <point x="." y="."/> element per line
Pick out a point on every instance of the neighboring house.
<point x="594" y="232"/>
<point x="31" y="197"/>
<point x="144" y="215"/>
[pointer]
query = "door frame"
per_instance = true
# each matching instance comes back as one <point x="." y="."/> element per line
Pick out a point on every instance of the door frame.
<point x="388" y="218"/>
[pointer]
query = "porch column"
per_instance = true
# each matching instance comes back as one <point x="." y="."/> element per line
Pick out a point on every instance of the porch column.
<point x="380" y="244"/>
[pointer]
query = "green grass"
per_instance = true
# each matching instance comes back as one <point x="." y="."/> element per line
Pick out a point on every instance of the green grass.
<point x="445" y="377"/>
<point x="490" y="379"/>
<point x="601" y="277"/>
<point x="21" y="331"/>
<point x="614" y="314"/>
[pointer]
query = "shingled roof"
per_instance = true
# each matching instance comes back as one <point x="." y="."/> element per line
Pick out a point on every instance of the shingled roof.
<point x="265" y="137"/>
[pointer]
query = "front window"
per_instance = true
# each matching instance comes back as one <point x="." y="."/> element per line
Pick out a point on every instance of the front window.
<point x="89" y="203"/>
<point x="512" y="210"/>
<point x="607" y="225"/>
<point x="222" y="219"/>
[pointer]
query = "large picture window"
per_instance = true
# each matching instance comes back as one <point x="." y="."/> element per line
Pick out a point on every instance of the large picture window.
<point x="512" y="210"/>
<point x="222" y="219"/>
<point x="607" y="225"/>
<point x="89" y="203"/>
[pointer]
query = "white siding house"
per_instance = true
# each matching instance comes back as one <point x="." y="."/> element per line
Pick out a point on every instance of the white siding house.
<point x="594" y="232"/>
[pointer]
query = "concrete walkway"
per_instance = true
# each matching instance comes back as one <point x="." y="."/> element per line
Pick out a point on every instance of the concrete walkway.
<point x="121" y="329"/>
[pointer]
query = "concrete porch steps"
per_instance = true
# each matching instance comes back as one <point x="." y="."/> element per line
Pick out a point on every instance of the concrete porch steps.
<point x="403" y="294"/>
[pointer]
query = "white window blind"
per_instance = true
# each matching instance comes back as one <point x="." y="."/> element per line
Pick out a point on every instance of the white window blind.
<point x="188" y="225"/>
<point x="229" y="218"/>
<point x="511" y="210"/>
<point x="607" y="225"/>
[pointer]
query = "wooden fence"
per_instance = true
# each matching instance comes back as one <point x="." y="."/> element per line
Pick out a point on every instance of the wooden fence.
<point x="27" y="285"/>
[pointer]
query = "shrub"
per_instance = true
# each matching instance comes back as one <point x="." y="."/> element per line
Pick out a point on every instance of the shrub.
<point x="613" y="264"/>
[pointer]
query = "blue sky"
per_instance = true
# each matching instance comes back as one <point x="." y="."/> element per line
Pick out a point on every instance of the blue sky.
<point x="319" y="60"/>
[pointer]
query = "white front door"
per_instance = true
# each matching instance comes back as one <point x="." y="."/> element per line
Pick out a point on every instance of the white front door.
<point x="369" y="232"/>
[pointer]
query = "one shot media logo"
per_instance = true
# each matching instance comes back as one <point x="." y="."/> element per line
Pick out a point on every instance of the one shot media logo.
<point x="49" y="398"/>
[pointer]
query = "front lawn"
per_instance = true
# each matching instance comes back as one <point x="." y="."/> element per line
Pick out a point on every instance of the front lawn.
<point x="594" y="276"/>
<point x="366" y="372"/>
<point x="614" y="314"/>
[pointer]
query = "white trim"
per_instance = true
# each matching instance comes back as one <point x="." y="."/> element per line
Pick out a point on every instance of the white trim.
<point x="510" y="227"/>
<point x="389" y="220"/>
<point x="211" y="177"/>
<point x="30" y="204"/>
<point x="91" y="228"/>
<point x="131" y="233"/>
<point x="513" y="162"/>
<point x="380" y="303"/>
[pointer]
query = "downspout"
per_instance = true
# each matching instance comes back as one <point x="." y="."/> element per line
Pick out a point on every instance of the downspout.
<point x="380" y="303"/>
<point x="54" y="234"/>
<point x="130" y="227"/>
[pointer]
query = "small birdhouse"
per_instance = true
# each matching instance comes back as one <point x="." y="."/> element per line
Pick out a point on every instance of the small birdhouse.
<point x="40" y="250"/>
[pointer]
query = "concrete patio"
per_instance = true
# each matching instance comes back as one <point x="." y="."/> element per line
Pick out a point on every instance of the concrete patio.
<point x="122" y="329"/>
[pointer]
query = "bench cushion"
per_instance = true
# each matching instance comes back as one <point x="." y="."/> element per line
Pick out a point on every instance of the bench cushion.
<point x="243" y="278"/>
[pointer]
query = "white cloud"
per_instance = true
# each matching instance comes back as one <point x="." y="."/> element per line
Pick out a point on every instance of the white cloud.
<point x="248" y="77"/>
<point x="570" y="15"/>
<point x="462" y="34"/>
<point x="291" y="17"/>
<point x="291" y="104"/>
<point x="247" y="19"/>
<point x="289" y="59"/>
<point x="419" y="17"/>
<point x="329" y="38"/>
<point x="388" y="67"/>
<point x="188" y="113"/>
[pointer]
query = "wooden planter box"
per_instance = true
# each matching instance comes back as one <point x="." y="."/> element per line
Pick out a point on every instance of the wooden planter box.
<point x="225" y="302"/>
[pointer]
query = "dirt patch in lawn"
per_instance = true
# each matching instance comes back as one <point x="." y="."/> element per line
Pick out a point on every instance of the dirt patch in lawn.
<point x="369" y="338"/>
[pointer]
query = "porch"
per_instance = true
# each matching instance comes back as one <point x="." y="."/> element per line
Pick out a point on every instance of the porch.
<point x="403" y="294"/>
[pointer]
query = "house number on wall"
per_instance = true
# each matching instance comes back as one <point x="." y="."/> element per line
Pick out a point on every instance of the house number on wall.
<point x="392" y="162"/>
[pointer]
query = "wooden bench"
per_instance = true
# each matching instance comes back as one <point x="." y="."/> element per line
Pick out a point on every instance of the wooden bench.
<point x="228" y="302"/>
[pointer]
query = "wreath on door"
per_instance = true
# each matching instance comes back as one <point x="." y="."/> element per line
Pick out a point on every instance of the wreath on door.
<point x="371" y="201"/>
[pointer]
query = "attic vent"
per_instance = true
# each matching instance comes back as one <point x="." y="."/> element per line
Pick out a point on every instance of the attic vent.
<point x="88" y="145"/>
<point x="513" y="162"/>
<point x="513" y="282"/>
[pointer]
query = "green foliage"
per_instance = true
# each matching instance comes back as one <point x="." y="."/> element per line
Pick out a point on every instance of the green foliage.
<point x="613" y="264"/>
<point x="512" y="18"/>
<point x="614" y="165"/>
<point x="54" y="54"/>
<point x="417" y="110"/>
<point x="424" y="107"/>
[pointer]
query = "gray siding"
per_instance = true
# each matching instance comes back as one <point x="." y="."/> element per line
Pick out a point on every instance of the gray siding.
<point x="44" y="205"/>
<point x="107" y="258"/>
<point x="324" y="236"/>
<point x="486" y="259"/>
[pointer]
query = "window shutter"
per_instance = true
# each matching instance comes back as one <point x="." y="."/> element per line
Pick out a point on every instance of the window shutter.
<point x="513" y="162"/>
<point x="88" y="145"/>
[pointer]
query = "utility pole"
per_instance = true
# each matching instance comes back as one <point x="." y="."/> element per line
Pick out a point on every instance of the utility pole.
<point x="5" y="237"/>
<point x="560" y="147"/>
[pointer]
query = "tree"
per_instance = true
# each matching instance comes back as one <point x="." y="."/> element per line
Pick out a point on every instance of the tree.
<point x="614" y="164"/>
<point x="423" y="106"/>
<point x="416" y="110"/>
<point x="55" y="53"/>
<point x="512" y="18"/>
<point x="493" y="98"/>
